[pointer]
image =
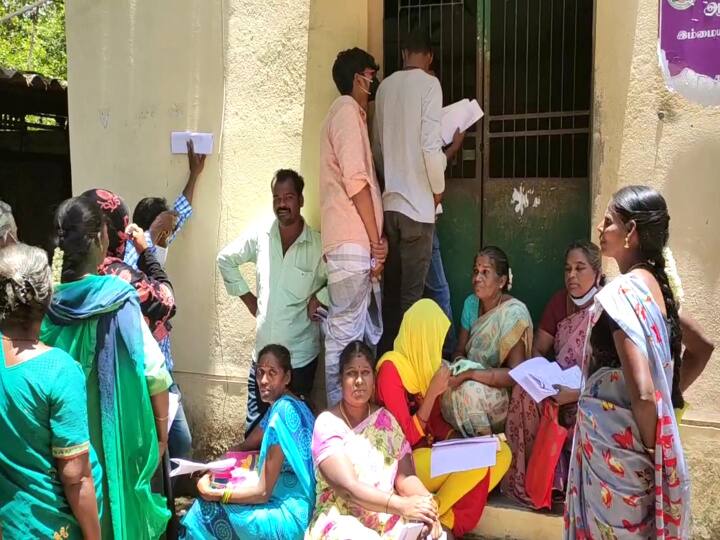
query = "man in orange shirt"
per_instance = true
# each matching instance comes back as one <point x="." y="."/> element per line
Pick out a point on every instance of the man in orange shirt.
<point x="351" y="215"/>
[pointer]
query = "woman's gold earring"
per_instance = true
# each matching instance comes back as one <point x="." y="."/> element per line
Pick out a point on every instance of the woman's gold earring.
<point x="627" y="244"/>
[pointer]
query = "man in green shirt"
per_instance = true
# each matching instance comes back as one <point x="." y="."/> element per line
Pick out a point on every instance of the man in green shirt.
<point x="291" y="286"/>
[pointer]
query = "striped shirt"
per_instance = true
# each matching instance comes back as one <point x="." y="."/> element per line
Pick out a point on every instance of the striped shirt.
<point x="184" y="210"/>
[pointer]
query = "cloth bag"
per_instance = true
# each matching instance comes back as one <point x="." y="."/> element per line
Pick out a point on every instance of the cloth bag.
<point x="545" y="455"/>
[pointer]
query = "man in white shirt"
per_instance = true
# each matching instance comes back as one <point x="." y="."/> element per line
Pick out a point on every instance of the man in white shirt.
<point x="291" y="281"/>
<point x="408" y="152"/>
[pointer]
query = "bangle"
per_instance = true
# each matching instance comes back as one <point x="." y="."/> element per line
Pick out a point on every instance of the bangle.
<point x="226" y="496"/>
<point x="387" y="504"/>
<point x="161" y="418"/>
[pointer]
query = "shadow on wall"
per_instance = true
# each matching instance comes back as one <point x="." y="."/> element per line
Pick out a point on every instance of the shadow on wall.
<point x="691" y="189"/>
<point x="615" y="52"/>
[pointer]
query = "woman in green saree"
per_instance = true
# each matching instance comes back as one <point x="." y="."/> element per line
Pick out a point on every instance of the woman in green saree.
<point x="47" y="467"/>
<point x="495" y="336"/>
<point x="97" y="320"/>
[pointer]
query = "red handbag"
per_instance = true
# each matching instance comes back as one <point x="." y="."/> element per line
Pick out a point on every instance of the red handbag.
<point x="545" y="455"/>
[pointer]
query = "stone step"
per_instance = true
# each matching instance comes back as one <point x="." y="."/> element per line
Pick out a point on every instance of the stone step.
<point x="505" y="520"/>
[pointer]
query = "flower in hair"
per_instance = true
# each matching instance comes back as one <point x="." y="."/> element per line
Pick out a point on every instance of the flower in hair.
<point x="57" y="265"/>
<point x="510" y="279"/>
<point x="673" y="276"/>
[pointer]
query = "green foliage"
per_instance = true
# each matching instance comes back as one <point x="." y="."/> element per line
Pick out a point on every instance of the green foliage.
<point x="34" y="41"/>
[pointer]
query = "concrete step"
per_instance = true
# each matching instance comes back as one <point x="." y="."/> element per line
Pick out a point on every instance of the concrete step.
<point x="505" y="520"/>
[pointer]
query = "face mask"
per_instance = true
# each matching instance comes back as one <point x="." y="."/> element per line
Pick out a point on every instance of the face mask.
<point x="161" y="255"/>
<point x="374" y="85"/>
<point x="585" y="298"/>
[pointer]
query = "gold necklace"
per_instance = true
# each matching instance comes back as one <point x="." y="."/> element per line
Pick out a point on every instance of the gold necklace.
<point x="342" y="411"/>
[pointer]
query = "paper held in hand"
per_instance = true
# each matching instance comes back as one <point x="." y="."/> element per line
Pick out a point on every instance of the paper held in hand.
<point x="538" y="375"/>
<point x="457" y="455"/>
<point x="459" y="115"/>
<point x="188" y="467"/>
<point x="412" y="531"/>
<point x="202" y="142"/>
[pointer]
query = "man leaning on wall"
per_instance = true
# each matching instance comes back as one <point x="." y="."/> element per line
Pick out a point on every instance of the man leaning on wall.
<point x="291" y="287"/>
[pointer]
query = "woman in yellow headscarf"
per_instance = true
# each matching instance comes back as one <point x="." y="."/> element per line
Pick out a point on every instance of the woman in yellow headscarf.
<point x="410" y="379"/>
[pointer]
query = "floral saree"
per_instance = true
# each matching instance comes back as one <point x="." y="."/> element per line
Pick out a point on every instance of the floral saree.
<point x="374" y="447"/>
<point x="616" y="489"/>
<point x="475" y="408"/>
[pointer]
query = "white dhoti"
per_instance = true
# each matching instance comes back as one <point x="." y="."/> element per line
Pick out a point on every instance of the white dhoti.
<point x="354" y="312"/>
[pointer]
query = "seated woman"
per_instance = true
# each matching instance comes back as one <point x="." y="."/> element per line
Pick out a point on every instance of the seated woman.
<point x="47" y="466"/>
<point x="281" y="503"/>
<point x="97" y="320"/>
<point x="495" y="336"/>
<point x="366" y="483"/>
<point x="561" y="336"/>
<point x="410" y="380"/>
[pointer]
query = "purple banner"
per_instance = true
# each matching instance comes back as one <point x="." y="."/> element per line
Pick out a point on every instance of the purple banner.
<point x="690" y="48"/>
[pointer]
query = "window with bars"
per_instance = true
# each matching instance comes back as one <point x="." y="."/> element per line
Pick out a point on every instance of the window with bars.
<point x="529" y="64"/>
<point x="453" y="27"/>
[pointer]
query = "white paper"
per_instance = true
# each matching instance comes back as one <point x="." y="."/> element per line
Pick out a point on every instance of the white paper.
<point x="459" y="115"/>
<point x="463" y="455"/>
<point x="203" y="142"/>
<point x="410" y="531"/>
<point x="188" y="467"/>
<point x="240" y="476"/>
<point x="538" y="376"/>
<point x="174" y="403"/>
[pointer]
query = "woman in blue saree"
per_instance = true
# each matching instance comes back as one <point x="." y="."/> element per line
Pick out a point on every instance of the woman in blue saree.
<point x="280" y="505"/>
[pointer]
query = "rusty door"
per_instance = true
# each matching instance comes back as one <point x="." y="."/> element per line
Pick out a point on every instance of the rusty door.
<point x="522" y="179"/>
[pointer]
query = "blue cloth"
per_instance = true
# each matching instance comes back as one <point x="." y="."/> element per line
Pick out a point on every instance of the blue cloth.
<point x="471" y="309"/>
<point x="289" y="424"/>
<point x="438" y="289"/>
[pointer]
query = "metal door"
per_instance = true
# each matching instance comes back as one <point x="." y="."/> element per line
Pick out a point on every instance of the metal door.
<point x="522" y="180"/>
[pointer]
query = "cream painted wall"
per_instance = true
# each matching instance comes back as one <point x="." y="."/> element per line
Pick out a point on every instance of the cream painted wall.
<point x="139" y="70"/>
<point x="239" y="68"/>
<point x="334" y="26"/>
<point x="643" y="134"/>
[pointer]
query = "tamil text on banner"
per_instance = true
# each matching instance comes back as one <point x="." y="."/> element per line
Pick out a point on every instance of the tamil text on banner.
<point x="689" y="48"/>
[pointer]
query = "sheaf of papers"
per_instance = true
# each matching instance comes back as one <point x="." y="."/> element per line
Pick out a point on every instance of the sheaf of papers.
<point x="412" y="531"/>
<point x="202" y="142"/>
<point x="188" y="467"/>
<point x="459" y="115"/>
<point x="538" y="375"/>
<point x="463" y="455"/>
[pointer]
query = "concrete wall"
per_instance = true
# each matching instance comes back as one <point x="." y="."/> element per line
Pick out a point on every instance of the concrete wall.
<point x="243" y="70"/>
<point x="139" y="70"/>
<point x="643" y="134"/>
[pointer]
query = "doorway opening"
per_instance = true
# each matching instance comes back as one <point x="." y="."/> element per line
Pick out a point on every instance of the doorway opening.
<point x="522" y="180"/>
